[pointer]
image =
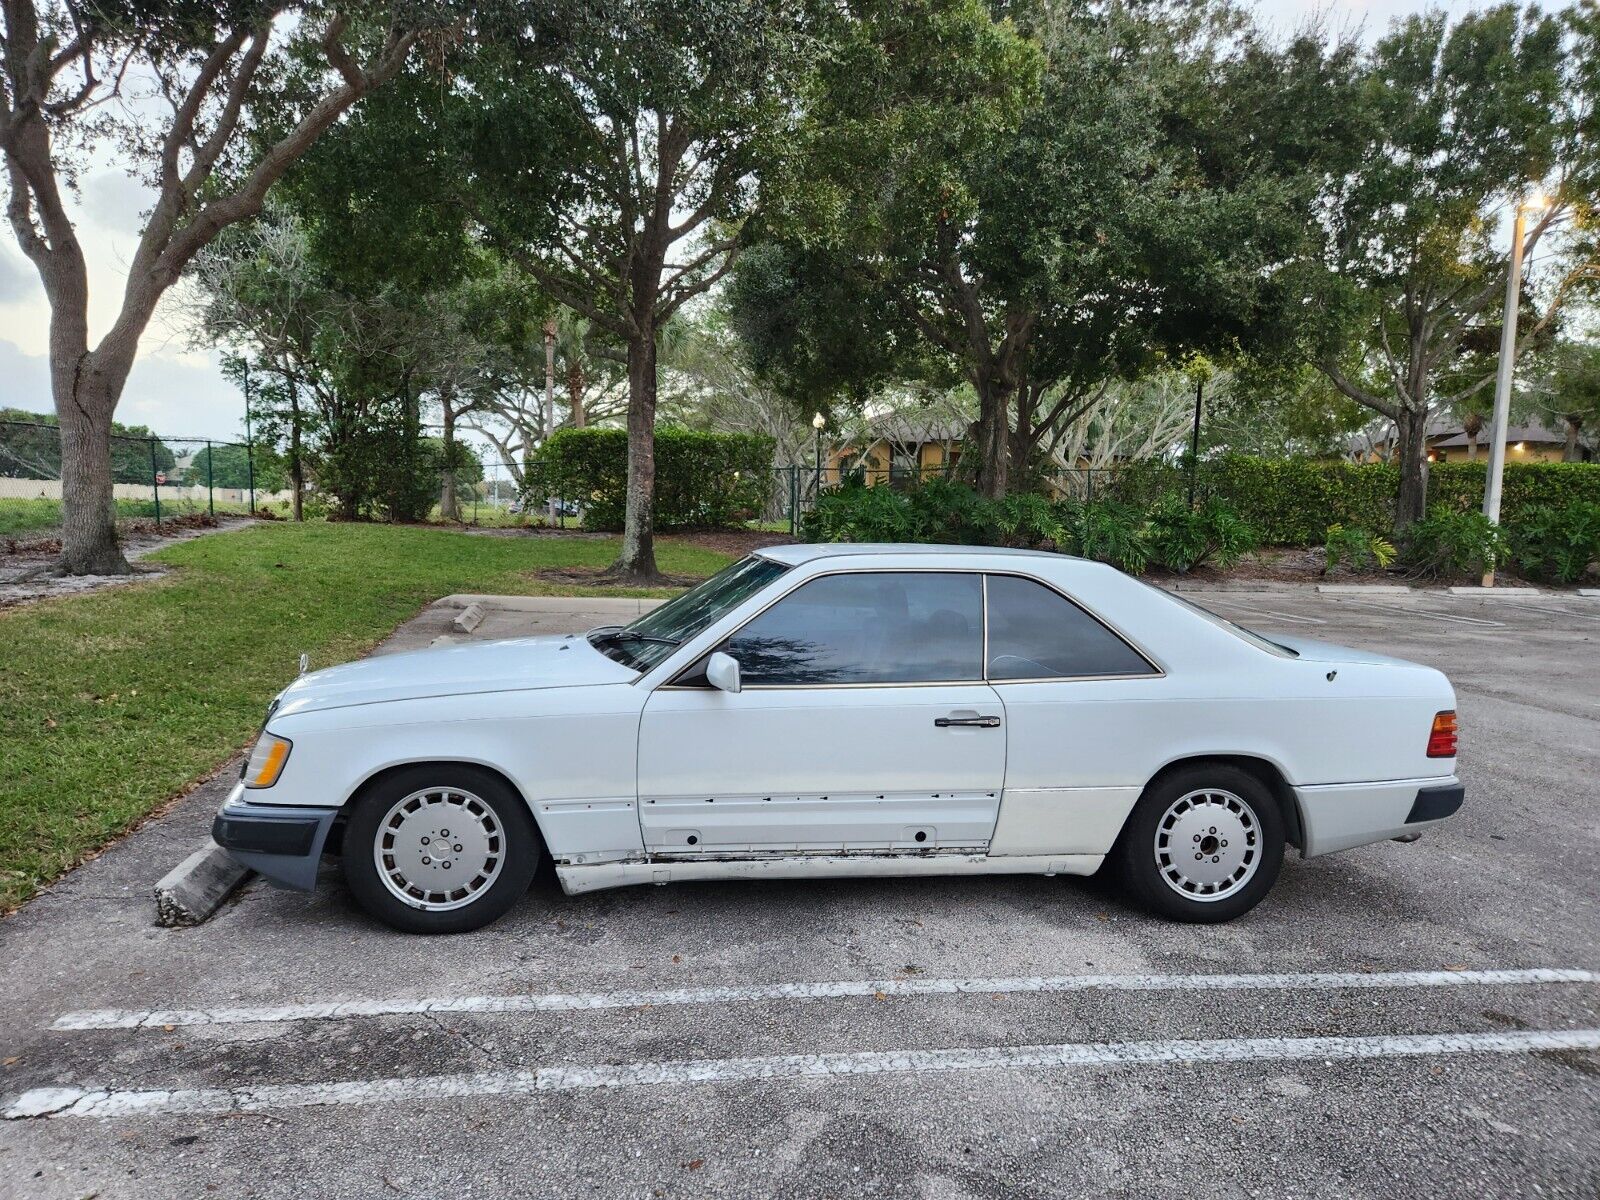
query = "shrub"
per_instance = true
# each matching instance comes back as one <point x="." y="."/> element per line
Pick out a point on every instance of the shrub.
<point x="951" y="513"/>
<point x="1181" y="538"/>
<point x="1450" y="544"/>
<point x="1358" y="549"/>
<point x="1107" y="531"/>
<point x="1556" y="544"/>
<point x="703" y="480"/>
<point x="1292" y="501"/>
<point x="858" y="513"/>
<point x="1029" y="521"/>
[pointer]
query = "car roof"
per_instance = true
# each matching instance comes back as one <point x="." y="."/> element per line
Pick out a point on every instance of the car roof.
<point x="795" y="554"/>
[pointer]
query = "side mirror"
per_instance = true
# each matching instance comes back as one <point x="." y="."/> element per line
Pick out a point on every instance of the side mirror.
<point x="722" y="672"/>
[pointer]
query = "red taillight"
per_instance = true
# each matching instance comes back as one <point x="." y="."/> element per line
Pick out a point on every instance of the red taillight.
<point x="1442" y="739"/>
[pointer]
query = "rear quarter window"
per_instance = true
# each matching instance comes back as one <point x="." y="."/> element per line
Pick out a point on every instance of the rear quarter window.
<point x="1037" y="633"/>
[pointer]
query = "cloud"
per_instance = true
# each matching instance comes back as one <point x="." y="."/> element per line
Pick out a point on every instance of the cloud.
<point x="24" y="380"/>
<point x="17" y="280"/>
<point x="116" y="201"/>
<point x="175" y="396"/>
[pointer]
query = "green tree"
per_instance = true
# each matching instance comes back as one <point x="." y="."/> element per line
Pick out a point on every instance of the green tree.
<point x="1457" y="118"/>
<point x="659" y="115"/>
<point x="1575" y="396"/>
<point x="1052" y="202"/>
<point x="219" y="71"/>
<point x="30" y="448"/>
<point x="235" y="466"/>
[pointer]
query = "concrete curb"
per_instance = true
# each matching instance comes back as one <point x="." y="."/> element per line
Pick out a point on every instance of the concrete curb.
<point x="195" y="888"/>
<point x="470" y="617"/>
<point x="1592" y="593"/>
<point x="1365" y="589"/>
<point x="548" y="604"/>
<point x="1494" y="591"/>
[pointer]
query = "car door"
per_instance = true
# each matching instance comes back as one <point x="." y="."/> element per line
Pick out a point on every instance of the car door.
<point x="863" y="724"/>
<point x="1082" y="705"/>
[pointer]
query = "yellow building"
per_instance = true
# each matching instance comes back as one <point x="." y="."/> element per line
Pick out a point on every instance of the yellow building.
<point x="898" y="450"/>
<point x="1448" y="441"/>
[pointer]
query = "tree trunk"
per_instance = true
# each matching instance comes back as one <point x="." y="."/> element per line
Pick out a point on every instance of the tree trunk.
<point x="88" y="510"/>
<point x="1412" y="444"/>
<point x="994" y="435"/>
<point x="575" y="383"/>
<point x="1570" y="452"/>
<point x="297" y="473"/>
<point x="449" y="506"/>
<point x="638" y="558"/>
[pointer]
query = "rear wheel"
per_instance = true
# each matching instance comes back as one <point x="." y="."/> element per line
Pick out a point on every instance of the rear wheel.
<point x="1204" y="844"/>
<point x="440" y="849"/>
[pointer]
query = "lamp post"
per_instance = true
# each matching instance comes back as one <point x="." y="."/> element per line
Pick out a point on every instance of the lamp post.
<point x="819" y="422"/>
<point x="550" y="400"/>
<point x="1507" y="366"/>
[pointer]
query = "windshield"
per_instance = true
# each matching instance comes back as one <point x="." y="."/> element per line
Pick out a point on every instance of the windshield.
<point x="655" y="635"/>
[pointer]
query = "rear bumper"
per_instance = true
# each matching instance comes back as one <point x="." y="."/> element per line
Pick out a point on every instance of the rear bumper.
<point x="1340" y="816"/>
<point x="283" y="842"/>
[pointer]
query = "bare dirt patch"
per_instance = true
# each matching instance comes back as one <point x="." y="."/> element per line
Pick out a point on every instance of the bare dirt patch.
<point x="596" y="577"/>
<point x="733" y="542"/>
<point x="24" y="562"/>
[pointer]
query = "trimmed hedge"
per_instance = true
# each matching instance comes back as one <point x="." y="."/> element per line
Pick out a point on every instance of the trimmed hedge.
<point x="703" y="480"/>
<point x="1169" y="534"/>
<point x="1293" y="501"/>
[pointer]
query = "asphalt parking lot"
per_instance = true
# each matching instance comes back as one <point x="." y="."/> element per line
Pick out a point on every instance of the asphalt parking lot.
<point x="932" y="1038"/>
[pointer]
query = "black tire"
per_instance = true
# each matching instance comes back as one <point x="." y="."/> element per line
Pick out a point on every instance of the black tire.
<point x="517" y="852"/>
<point x="1163" y="889"/>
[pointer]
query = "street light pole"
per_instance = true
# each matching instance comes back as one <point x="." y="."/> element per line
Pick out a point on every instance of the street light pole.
<point x="817" y="423"/>
<point x="1506" y="369"/>
<point x="550" y="399"/>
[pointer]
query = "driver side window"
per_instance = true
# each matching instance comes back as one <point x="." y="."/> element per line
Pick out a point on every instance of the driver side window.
<point x="867" y="627"/>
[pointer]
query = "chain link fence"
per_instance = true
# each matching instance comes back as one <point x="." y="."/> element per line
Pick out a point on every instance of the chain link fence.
<point x="161" y="479"/>
<point x="779" y="500"/>
<point x="154" y="478"/>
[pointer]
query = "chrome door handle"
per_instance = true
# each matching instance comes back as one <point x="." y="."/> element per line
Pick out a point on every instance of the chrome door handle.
<point x="967" y="722"/>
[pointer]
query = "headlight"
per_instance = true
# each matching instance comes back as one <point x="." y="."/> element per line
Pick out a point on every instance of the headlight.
<point x="266" y="760"/>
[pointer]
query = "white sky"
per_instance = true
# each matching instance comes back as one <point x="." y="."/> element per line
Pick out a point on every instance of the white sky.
<point x="178" y="391"/>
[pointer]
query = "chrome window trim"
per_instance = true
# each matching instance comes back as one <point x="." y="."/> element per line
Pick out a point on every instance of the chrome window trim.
<point x="1157" y="671"/>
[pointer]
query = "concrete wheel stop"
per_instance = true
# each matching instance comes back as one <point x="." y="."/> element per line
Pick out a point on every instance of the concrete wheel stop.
<point x="194" y="889"/>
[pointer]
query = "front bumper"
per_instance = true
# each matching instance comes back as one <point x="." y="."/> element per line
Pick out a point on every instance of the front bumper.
<point x="1343" y="815"/>
<point x="283" y="842"/>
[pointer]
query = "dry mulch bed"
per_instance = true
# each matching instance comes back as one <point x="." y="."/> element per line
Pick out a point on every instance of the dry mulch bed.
<point x="596" y="577"/>
<point x="733" y="542"/>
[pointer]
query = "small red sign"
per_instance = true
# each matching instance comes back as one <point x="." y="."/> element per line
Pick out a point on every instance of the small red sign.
<point x="161" y="477"/>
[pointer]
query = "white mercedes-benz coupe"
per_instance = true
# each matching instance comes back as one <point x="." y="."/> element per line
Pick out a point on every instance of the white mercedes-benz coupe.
<point x="850" y="710"/>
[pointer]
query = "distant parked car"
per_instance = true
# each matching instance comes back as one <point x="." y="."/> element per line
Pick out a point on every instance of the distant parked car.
<point x="829" y="711"/>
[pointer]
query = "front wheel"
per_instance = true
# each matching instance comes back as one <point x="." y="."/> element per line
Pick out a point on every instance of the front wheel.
<point x="440" y="849"/>
<point x="1203" y="845"/>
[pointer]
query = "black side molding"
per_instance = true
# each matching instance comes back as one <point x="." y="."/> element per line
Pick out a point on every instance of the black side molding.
<point x="1436" y="803"/>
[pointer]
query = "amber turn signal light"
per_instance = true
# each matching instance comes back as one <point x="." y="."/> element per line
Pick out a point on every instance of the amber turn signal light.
<point x="1442" y="739"/>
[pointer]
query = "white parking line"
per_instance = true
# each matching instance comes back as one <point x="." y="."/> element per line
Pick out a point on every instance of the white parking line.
<point x="755" y="993"/>
<point x="1411" y="609"/>
<point x="1541" y="608"/>
<point x="1269" y="612"/>
<point x="111" y="1102"/>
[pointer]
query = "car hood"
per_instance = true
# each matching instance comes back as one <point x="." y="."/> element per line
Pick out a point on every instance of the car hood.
<point x="514" y="664"/>
<point x="1328" y="652"/>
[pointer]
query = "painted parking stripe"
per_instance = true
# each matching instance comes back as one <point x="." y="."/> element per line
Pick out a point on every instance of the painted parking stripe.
<point x="1411" y="609"/>
<point x="1540" y="608"/>
<point x="1264" y="613"/>
<point x="756" y="993"/>
<point x="111" y="1102"/>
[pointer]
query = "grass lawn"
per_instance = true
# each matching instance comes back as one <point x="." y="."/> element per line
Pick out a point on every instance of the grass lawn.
<point x="114" y="701"/>
<point x="20" y="518"/>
